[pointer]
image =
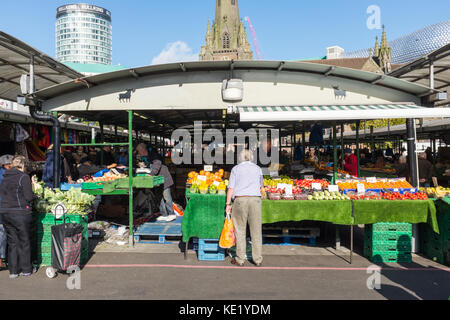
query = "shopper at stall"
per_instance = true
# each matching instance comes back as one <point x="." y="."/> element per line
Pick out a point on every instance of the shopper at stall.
<point x="47" y="175"/>
<point x="245" y="187"/>
<point x="5" y="164"/>
<point x="350" y="162"/>
<point x="153" y="160"/>
<point x="92" y="154"/>
<point x="425" y="170"/>
<point x="79" y="154"/>
<point x="122" y="158"/>
<point x="16" y="197"/>
<point x="108" y="157"/>
<point x="402" y="168"/>
<point x="86" y="168"/>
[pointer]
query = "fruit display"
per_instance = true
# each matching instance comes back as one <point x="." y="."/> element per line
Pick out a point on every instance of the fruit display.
<point x="405" y="196"/>
<point x="326" y="195"/>
<point x="397" y="184"/>
<point x="439" y="192"/>
<point x="366" y="196"/>
<point x="109" y="176"/>
<point x="207" y="182"/>
<point x="269" y="182"/>
<point x="307" y="184"/>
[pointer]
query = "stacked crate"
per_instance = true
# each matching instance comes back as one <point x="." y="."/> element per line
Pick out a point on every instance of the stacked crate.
<point x="209" y="250"/>
<point x="437" y="246"/>
<point x="42" y="237"/>
<point x="388" y="242"/>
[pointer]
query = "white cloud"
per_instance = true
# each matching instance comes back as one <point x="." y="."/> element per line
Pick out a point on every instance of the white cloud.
<point x="176" y="52"/>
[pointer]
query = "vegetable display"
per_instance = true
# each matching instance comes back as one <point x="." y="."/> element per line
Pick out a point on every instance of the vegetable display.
<point x="74" y="200"/>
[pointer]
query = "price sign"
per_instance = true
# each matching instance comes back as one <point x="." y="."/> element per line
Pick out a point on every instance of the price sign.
<point x="309" y="177"/>
<point x="281" y="186"/>
<point x="201" y="178"/>
<point x="273" y="174"/>
<point x="360" y="187"/>
<point x="316" y="186"/>
<point x="208" y="168"/>
<point x="333" y="188"/>
<point x="396" y="190"/>
<point x="371" y="180"/>
<point x="288" y="190"/>
<point x="216" y="183"/>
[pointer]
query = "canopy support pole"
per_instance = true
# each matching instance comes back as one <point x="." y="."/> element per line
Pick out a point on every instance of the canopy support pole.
<point x="357" y="148"/>
<point x="102" y="139"/>
<point x="335" y="164"/>
<point x="130" y="176"/>
<point x="342" y="146"/>
<point x="372" y="144"/>
<point x="412" y="156"/>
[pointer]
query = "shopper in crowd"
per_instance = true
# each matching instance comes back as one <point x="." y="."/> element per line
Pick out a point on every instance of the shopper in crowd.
<point x="87" y="168"/>
<point x="47" y="175"/>
<point x="92" y="154"/>
<point x="154" y="160"/>
<point x="78" y="155"/>
<point x="70" y="162"/>
<point x="5" y="164"/>
<point x="402" y="168"/>
<point x="122" y="158"/>
<point x="425" y="170"/>
<point x="16" y="197"/>
<point x="245" y="187"/>
<point x="380" y="163"/>
<point x="429" y="154"/>
<point x="350" y="163"/>
<point x="108" y="157"/>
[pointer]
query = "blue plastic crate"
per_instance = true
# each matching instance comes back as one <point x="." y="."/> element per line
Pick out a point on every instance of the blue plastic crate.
<point x="207" y="256"/>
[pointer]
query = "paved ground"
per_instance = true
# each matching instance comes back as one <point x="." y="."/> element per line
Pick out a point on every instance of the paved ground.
<point x="289" y="273"/>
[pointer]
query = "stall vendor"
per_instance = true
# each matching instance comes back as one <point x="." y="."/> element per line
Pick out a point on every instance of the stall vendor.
<point x="350" y="162"/>
<point x="86" y="168"/>
<point x="108" y="157"/>
<point x="154" y="160"/>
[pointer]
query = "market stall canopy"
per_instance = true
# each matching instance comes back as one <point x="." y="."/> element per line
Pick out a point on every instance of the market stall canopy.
<point x="431" y="70"/>
<point x="198" y="86"/>
<point x="337" y="112"/>
<point x="15" y="57"/>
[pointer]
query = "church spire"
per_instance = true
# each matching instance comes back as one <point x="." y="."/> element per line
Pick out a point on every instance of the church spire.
<point x="376" y="51"/>
<point x="385" y="53"/>
<point x="227" y="38"/>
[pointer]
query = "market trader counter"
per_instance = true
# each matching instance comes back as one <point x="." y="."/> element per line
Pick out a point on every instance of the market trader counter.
<point x="205" y="214"/>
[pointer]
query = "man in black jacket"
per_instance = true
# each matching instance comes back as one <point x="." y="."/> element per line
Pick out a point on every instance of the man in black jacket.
<point x="154" y="160"/>
<point x="16" y="197"/>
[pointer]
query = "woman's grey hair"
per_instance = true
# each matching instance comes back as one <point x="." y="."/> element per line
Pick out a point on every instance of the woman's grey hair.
<point x="141" y="146"/>
<point x="246" y="155"/>
<point x="18" y="162"/>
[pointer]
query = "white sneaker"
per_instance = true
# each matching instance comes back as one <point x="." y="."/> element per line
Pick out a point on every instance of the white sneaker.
<point x="171" y="218"/>
<point x="161" y="218"/>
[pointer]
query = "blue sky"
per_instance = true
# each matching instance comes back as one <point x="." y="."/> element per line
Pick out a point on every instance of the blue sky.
<point x="146" y="31"/>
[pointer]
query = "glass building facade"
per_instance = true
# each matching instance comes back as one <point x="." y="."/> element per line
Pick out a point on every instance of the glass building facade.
<point x="414" y="45"/>
<point x="83" y="34"/>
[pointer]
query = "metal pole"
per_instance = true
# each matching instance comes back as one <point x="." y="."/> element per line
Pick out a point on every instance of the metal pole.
<point x="130" y="176"/>
<point x="102" y="138"/>
<point x="342" y="146"/>
<point x="304" y="142"/>
<point x="335" y="164"/>
<point x="357" y="148"/>
<point x="372" y="143"/>
<point x="411" y="140"/>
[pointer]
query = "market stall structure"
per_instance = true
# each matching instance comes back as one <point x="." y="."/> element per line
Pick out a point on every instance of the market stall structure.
<point x="285" y="96"/>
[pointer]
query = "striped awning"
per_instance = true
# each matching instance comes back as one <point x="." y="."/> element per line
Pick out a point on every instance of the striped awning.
<point x="349" y="112"/>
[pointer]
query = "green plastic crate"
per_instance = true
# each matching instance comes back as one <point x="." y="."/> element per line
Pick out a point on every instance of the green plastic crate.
<point x="140" y="182"/>
<point x="389" y="246"/>
<point x="92" y="185"/>
<point x="390" y="227"/>
<point x="432" y="253"/>
<point x="388" y="237"/>
<point x="390" y="257"/>
<point x="49" y="219"/>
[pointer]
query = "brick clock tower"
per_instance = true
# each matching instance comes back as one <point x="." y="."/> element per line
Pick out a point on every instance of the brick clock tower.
<point x="227" y="38"/>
